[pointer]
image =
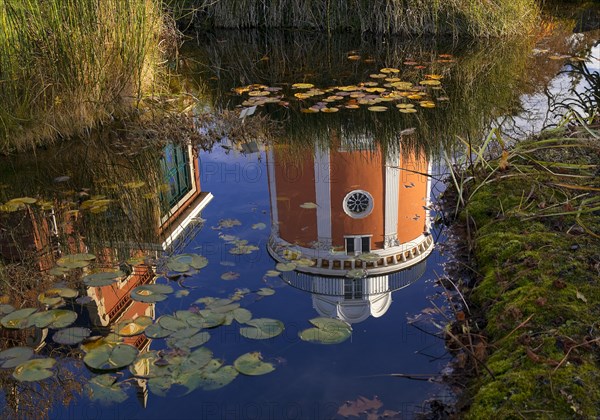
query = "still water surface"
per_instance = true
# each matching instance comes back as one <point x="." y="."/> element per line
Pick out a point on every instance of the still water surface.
<point x="346" y="196"/>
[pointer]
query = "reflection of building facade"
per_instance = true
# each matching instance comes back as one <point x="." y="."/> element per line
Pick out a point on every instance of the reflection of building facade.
<point x="336" y="204"/>
<point x="353" y="300"/>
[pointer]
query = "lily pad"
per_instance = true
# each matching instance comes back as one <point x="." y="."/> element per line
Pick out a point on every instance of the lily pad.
<point x="150" y="293"/>
<point x="75" y="260"/>
<point x="109" y="357"/>
<point x="18" y="319"/>
<point x="308" y="205"/>
<point x="369" y="257"/>
<point x="242" y="315"/>
<point x="230" y="275"/>
<point x="103" y="388"/>
<point x="14" y="356"/>
<point x="5" y="309"/>
<point x="132" y="327"/>
<point x="262" y="328"/>
<point x="58" y="271"/>
<point x="156" y="331"/>
<point x="216" y="379"/>
<point x="104" y="278"/>
<point x="34" y="370"/>
<point x="259" y="226"/>
<point x="285" y="266"/>
<point x="326" y="331"/>
<point x="70" y="336"/>
<point x="55" y="318"/>
<point x="272" y="273"/>
<point x="357" y="273"/>
<point x="195" y="340"/>
<point x="265" y="291"/>
<point x="252" y="364"/>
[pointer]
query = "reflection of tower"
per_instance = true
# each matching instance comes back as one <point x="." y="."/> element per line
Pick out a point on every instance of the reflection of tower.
<point x="336" y="204"/>
<point x="353" y="300"/>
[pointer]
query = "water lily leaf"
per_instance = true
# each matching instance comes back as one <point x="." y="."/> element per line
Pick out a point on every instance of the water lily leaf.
<point x="243" y="249"/>
<point x="259" y="226"/>
<point x="304" y="262"/>
<point x="34" y="370"/>
<point x="302" y="86"/>
<point x="104" y="278"/>
<point x="308" y="205"/>
<point x="14" y="356"/>
<point x="265" y="291"/>
<point x="18" y="319"/>
<point x="223" y="309"/>
<point x="272" y="273"/>
<point x="357" y="273"/>
<point x="210" y="319"/>
<point x="156" y="331"/>
<point x="70" y="336"/>
<point x="242" y="315"/>
<point x="132" y="327"/>
<point x="285" y="266"/>
<point x="75" y="260"/>
<point x="195" y="340"/>
<point x="262" y="328"/>
<point x="178" y="262"/>
<point x="211" y="380"/>
<point x="230" y="275"/>
<point x="377" y="108"/>
<point x="171" y="323"/>
<point x="327" y="331"/>
<point x="151" y="292"/>
<point x="22" y="200"/>
<point x="178" y="266"/>
<point x="252" y="364"/>
<point x="109" y="357"/>
<point x="103" y="388"/>
<point x="55" y="318"/>
<point x="5" y="309"/>
<point x="229" y="223"/>
<point x="317" y="335"/>
<point x="369" y="257"/>
<point x="58" y="271"/>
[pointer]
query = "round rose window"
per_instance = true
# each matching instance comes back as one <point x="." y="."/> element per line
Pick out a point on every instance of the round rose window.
<point x="358" y="204"/>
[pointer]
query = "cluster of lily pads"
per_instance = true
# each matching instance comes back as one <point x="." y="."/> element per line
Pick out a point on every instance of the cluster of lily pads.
<point x="384" y="89"/>
<point x="21" y="202"/>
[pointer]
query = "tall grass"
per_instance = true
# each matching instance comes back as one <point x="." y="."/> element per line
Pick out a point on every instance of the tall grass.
<point x="67" y="64"/>
<point x="475" y="18"/>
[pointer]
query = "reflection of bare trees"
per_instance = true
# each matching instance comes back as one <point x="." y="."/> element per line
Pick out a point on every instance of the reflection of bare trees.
<point x="29" y="400"/>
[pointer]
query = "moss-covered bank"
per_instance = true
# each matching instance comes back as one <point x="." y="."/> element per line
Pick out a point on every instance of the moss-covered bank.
<point x="534" y="221"/>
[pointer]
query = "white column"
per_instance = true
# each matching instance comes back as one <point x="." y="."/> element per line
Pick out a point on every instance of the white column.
<point x="272" y="192"/>
<point x="392" y="182"/>
<point x="323" y="196"/>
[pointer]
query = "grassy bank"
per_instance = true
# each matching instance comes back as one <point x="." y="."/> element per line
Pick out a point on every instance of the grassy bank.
<point x="66" y="65"/>
<point x="416" y="17"/>
<point x="532" y="218"/>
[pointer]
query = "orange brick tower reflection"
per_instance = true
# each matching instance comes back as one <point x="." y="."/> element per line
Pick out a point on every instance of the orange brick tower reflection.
<point x="332" y="205"/>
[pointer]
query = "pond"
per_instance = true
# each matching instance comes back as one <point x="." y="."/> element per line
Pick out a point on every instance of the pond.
<point x="245" y="279"/>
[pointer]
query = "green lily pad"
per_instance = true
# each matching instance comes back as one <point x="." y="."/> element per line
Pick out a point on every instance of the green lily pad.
<point x="187" y="343"/>
<point x="357" y="273"/>
<point x="369" y="257"/>
<point x="75" y="260"/>
<point x="34" y="370"/>
<point x="252" y="364"/>
<point x="212" y="380"/>
<point x="262" y="328"/>
<point x="242" y="315"/>
<point x="18" y="319"/>
<point x="228" y="223"/>
<point x="272" y="273"/>
<point x="285" y="266"/>
<point x="55" y="318"/>
<point x="243" y="249"/>
<point x="156" y="331"/>
<point x="132" y="327"/>
<point x="5" y="309"/>
<point x="109" y="357"/>
<point x="150" y="293"/>
<point x="104" y="278"/>
<point x="209" y="319"/>
<point x="103" y="388"/>
<point x="14" y="356"/>
<point x="259" y="226"/>
<point x="224" y="309"/>
<point x="71" y="336"/>
<point x="169" y="322"/>
<point x="265" y="291"/>
<point x="184" y="262"/>
<point x="326" y="331"/>
<point x="230" y="275"/>
<point x="58" y="271"/>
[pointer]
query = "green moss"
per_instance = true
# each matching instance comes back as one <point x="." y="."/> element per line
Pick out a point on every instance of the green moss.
<point x="544" y="270"/>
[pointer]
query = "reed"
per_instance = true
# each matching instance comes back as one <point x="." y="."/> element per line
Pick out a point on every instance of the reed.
<point x="473" y="18"/>
<point x="66" y="65"/>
